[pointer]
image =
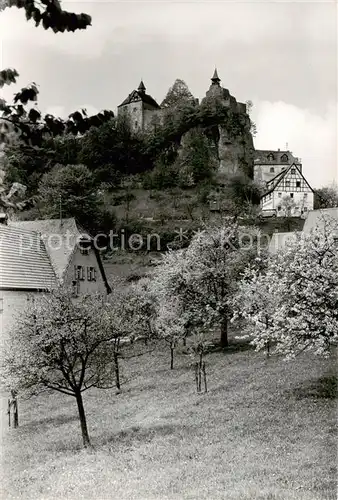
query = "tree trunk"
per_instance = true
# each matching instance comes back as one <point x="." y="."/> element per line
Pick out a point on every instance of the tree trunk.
<point x="171" y="356"/>
<point x="117" y="370"/>
<point x="224" y="332"/>
<point x="83" y="422"/>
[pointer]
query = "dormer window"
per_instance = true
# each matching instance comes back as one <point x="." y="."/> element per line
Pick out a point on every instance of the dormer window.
<point x="293" y="171"/>
<point x="284" y="158"/>
<point x="271" y="157"/>
<point x="272" y="170"/>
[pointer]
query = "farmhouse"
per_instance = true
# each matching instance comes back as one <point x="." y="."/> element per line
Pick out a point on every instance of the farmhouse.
<point x="37" y="255"/>
<point x="288" y="193"/>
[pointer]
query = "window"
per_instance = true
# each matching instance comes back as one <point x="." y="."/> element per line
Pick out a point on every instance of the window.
<point x="84" y="251"/>
<point x="79" y="273"/>
<point x="284" y="158"/>
<point x="291" y="195"/>
<point x="270" y="196"/>
<point x="305" y="209"/>
<point x="287" y="183"/>
<point x="279" y="195"/>
<point x="136" y="123"/>
<point x="272" y="170"/>
<point x="135" y="109"/>
<point x="293" y="171"/>
<point x="305" y="195"/>
<point x="91" y="274"/>
<point x="279" y="208"/>
<point x="298" y="184"/>
<point x="271" y="157"/>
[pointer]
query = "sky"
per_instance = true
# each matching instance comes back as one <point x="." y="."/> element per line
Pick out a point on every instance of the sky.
<point x="280" y="55"/>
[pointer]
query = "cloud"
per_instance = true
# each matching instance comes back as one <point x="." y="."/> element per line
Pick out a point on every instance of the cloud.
<point x="309" y="136"/>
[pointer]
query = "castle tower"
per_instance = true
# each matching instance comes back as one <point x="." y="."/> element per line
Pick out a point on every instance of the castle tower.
<point x="215" y="89"/>
<point x="215" y="79"/>
<point x="141" y="88"/>
<point x="140" y="108"/>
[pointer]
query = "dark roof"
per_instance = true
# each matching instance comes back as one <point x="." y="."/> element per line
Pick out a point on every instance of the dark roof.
<point x="140" y="95"/>
<point x="261" y="156"/>
<point x="24" y="261"/>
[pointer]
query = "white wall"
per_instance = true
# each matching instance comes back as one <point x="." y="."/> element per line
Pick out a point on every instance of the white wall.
<point x="90" y="260"/>
<point x="13" y="305"/>
<point x="298" y="198"/>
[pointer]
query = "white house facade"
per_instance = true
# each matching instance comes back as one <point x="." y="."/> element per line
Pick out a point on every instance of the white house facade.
<point x="37" y="255"/>
<point x="288" y="193"/>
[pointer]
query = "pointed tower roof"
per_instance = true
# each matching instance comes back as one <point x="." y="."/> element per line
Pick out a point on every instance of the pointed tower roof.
<point x="215" y="78"/>
<point x="141" y="87"/>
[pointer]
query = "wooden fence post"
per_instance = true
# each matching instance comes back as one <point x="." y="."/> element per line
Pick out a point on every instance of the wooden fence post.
<point x="196" y="375"/>
<point x="13" y="402"/>
<point x="205" y="378"/>
<point x="16" y="413"/>
<point x="9" y="412"/>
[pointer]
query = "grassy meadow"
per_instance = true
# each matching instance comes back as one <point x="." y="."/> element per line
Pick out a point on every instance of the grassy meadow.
<point x="264" y="430"/>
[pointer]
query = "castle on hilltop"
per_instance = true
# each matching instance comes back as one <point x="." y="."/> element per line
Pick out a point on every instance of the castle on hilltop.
<point x="279" y="173"/>
<point x="145" y="113"/>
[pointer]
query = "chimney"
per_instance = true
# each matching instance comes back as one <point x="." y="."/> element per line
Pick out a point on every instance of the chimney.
<point x="3" y="218"/>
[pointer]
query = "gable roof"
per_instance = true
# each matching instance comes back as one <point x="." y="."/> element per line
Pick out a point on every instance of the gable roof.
<point x="273" y="183"/>
<point x="24" y="261"/>
<point x="140" y="95"/>
<point x="60" y="238"/>
<point x="316" y="218"/>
